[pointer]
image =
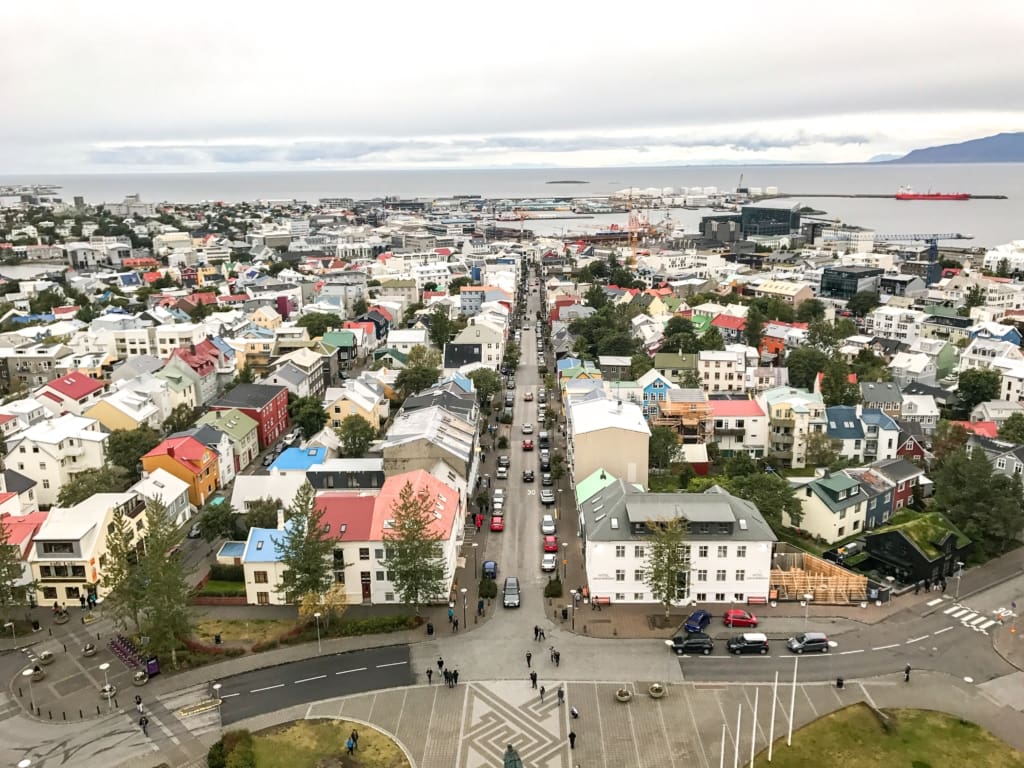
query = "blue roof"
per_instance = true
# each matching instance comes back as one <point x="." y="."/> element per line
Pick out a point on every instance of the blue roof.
<point x="22" y="319"/>
<point x="877" y="418"/>
<point x="568" y="362"/>
<point x="299" y="459"/>
<point x="223" y="346"/>
<point x="843" y="423"/>
<point x="263" y="545"/>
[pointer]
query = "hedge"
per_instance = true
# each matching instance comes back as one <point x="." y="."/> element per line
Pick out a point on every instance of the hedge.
<point x="220" y="572"/>
<point x="488" y="588"/>
<point x="553" y="588"/>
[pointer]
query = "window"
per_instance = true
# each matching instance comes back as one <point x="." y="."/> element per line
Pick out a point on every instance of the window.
<point x="58" y="548"/>
<point x="364" y="553"/>
<point x="379" y="554"/>
<point x="50" y="593"/>
<point x="720" y="597"/>
<point x="702" y="597"/>
<point x="263" y="598"/>
<point x="723" y="550"/>
<point x="702" y="575"/>
<point x="638" y="575"/>
<point x="46" y="483"/>
<point x="638" y="552"/>
<point x="741" y="575"/>
<point x="842" y="531"/>
<point x="389" y="597"/>
<point x="42" y="465"/>
<point x="260" y="577"/>
<point x="620" y="596"/>
<point x="720" y="575"/>
<point x="737" y="597"/>
<point x="620" y="550"/>
<point x="379" y="575"/>
<point x="741" y="550"/>
<point x="78" y="571"/>
<point x="620" y="575"/>
<point x="702" y="550"/>
<point x="638" y="596"/>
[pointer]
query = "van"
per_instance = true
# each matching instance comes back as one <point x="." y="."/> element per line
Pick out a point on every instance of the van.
<point x="510" y="592"/>
<point x="808" y="641"/>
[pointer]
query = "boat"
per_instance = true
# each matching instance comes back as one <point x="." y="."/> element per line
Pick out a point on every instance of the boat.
<point x="906" y="193"/>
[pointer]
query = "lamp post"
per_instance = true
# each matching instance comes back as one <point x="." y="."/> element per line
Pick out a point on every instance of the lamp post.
<point x="318" y="647"/>
<point x="476" y="568"/>
<point x="565" y="560"/>
<point x="807" y="606"/>
<point x="464" y="603"/>
<point x="572" y="592"/>
<point x="959" y="575"/>
<point x="10" y="625"/>
<point x="106" y="685"/>
<point x="216" y="691"/>
<point x="27" y="674"/>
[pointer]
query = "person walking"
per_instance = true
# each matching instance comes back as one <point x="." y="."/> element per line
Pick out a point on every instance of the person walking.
<point x="451" y="614"/>
<point x="138" y="704"/>
<point x="533" y="680"/>
<point x="455" y="678"/>
<point x="575" y="713"/>
<point x="536" y="633"/>
<point x="440" y="663"/>
<point x="542" y="636"/>
<point x="448" y="678"/>
<point x="943" y="586"/>
<point x="906" y="674"/>
<point x="455" y="625"/>
<point x="558" y="658"/>
<point x="572" y="739"/>
<point x="430" y="674"/>
<point x="349" y="745"/>
<point x="355" y="738"/>
<point x="542" y="694"/>
<point x="561" y="694"/>
<point x="529" y="658"/>
<point x="144" y="724"/>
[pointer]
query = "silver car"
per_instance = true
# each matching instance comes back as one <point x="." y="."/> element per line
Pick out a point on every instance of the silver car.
<point x="549" y="562"/>
<point x="547" y="525"/>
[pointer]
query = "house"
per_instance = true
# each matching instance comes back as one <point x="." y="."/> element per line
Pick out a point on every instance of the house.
<point x="615" y="368"/>
<point x="163" y="487"/>
<point x="792" y="293"/>
<point x="845" y="431"/>
<point x="833" y="507"/>
<point x="355" y="398"/>
<point x="299" y="459"/>
<point x="918" y="546"/>
<point x="74" y="393"/>
<point x="22" y="487"/>
<point x="904" y="475"/>
<point x="922" y="410"/>
<point x="654" y="387"/>
<point x="793" y="414"/>
<point x="912" y="443"/>
<point x="676" y="367"/>
<point x="274" y="485"/>
<point x="422" y="438"/>
<point x="220" y="443"/>
<point x="490" y="341"/>
<point x="404" y="340"/>
<point x="878" y="495"/>
<point x="21" y="530"/>
<point x="291" y="377"/>
<point x="731" y="328"/>
<point x="265" y="317"/>
<point x="52" y="451"/>
<point x="126" y="409"/>
<point x="741" y="426"/>
<point x="722" y="371"/>
<point x="609" y="434"/>
<point x="881" y="434"/>
<point x="241" y="429"/>
<point x="907" y="367"/>
<point x="190" y="461"/>
<point x="267" y="405"/>
<point x="729" y="541"/>
<point x="347" y="474"/>
<point x="884" y="395"/>
<point x="997" y="411"/>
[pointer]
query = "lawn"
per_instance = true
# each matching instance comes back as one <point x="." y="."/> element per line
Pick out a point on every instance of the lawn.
<point x="854" y="737"/>
<point x="223" y="588"/>
<point x="311" y="743"/>
<point x="237" y="631"/>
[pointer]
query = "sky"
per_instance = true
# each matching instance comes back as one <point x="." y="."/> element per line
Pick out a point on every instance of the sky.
<point x="114" y="87"/>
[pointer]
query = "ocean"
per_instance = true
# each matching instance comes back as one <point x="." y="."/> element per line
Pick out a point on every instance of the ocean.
<point x="991" y="222"/>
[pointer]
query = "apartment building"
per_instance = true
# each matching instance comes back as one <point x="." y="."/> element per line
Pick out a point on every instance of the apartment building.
<point x="52" y="451"/>
<point x="793" y="414"/>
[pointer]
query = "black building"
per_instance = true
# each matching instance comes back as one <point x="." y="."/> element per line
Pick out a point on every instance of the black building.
<point x="918" y="546"/>
<point x="769" y="221"/>
<point x="845" y="282"/>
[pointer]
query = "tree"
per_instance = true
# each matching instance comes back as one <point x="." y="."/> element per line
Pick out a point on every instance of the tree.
<point x="126" y="447"/>
<point x="810" y="310"/>
<point x="771" y="494"/>
<point x="318" y="323"/>
<point x="663" y="447"/>
<point x="640" y="364"/>
<point x="422" y="370"/>
<point x="165" y="589"/>
<point x="512" y="354"/>
<point x="595" y="297"/>
<point x="262" y="513"/>
<point x="836" y="387"/>
<point x="455" y="286"/>
<point x="804" y="364"/>
<point x="947" y="439"/>
<point x="413" y="548"/>
<point x="772" y="309"/>
<point x="870" y="367"/>
<point x="11" y="571"/>
<point x="359" y="307"/>
<point x="821" y="334"/>
<point x="821" y="450"/>
<point x="667" y="564"/>
<point x="487" y="383"/>
<point x="182" y="417"/>
<point x="690" y="379"/>
<point x="356" y="435"/>
<point x="753" y="331"/>
<point x="863" y="302"/>
<point x="712" y="340"/>
<point x="740" y="464"/>
<point x="122" y="576"/>
<point x="440" y="330"/>
<point x="308" y="413"/>
<point x="218" y="521"/>
<point x="304" y="548"/>
<point x="977" y="385"/>
<point x="107" y="479"/>
<point x="1013" y="429"/>
<point x="619" y="344"/>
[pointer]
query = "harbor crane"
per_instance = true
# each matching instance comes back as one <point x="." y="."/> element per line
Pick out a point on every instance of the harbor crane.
<point x="931" y="239"/>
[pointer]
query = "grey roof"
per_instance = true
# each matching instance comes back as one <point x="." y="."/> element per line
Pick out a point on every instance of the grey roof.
<point x="248" y="396"/>
<point x="878" y="418"/>
<point x="463" y="405"/>
<point x="942" y="396"/>
<point x="896" y="470"/>
<point x="135" y="366"/>
<point x="288" y="372"/>
<point x="204" y="433"/>
<point x="15" y="482"/>
<point x="880" y="392"/>
<point x="843" y="423"/>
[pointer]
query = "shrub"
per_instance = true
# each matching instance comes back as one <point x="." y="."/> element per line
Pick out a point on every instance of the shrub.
<point x="488" y="588"/>
<point x="553" y="588"/>
<point x="266" y="645"/>
<point x="502" y="443"/>
<point x="220" y="572"/>
<point x="241" y="756"/>
<point x="377" y="624"/>
<point x="216" y="758"/>
<point x="232" y="739"/>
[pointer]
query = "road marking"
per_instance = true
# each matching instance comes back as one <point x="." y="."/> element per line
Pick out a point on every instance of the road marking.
<point x="953" y="608"/>
<point x="347" y="671"/>
<point x="915" y="639"/>
<point x="987" y="624"/>
<point x="307" y="679"/>
<point x="228" y="695"/>
<point x="936" y="601"/>
<point x="392" y="664"/>
<point x="886" y="647"/>
<point x="963" y="612"/>
<point x="847" y="653"/>
<point x="268" y="688"/>
<point x="970" y="615"/>
<point x="978" y="620"/>
<point x="944" y="629"/>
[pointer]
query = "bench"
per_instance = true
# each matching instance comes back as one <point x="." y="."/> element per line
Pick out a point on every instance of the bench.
<point x="757" y="601"/>
<point x="597" y="602"/>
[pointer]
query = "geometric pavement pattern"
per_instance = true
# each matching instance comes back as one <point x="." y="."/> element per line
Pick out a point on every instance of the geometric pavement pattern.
<point x="499" y="714"/>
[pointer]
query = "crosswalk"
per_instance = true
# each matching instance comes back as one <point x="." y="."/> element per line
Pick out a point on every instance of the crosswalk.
<point x="977" y="620"/>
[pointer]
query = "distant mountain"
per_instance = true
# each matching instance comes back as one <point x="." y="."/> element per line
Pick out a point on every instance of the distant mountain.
<point x="885" y="158"/>
<point x="1001" y="148"/>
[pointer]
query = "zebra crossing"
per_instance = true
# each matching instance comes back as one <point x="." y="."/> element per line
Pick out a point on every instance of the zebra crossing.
<point x="977" y="620"/>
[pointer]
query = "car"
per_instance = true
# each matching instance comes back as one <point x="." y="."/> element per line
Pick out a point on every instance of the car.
<point x="736" y="617"/>
<point x="545" y="453"/>
<point x="547" y="525"/>
<point x="511" y="384"/>
<point x="528" y="396"/>
<point x="549" y="562"/>
<point x="692" y="642"/>
<point x="810" y="642"/>
<point x="550" y="543"/>
<point x="697" y="621"/>
<point x="545" y="464"/>
<point x="501" y="473"/>
<point x="748" y="642"/>
<point x="510" y="593"/>
<point x="499" y="495"/>
<point x="490" y="569"/>
<point x="195" y="532"/>
<point x="503" y="461"/>
<point x="547" y="479"/>
<point x="527" y="429"/>
<point x="527" y="445"/>
<point x="542" y="397"/>
<point x="528" y="476"/>
<point x="268" y="459"/>
<point x="497" y="523"/>
<point x="547" y="496"/>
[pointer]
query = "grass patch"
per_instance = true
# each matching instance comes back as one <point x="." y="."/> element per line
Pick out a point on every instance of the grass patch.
<point x="663" y="483"/>
<point x="237" y="631"/>
<point x="805" y="543"/>
<point x="854" y="737"/>
<point x="215" y="588"/>
<point x="321" y="743"/>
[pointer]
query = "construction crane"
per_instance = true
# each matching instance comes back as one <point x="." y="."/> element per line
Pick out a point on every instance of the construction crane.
<point x="931" y="239"/>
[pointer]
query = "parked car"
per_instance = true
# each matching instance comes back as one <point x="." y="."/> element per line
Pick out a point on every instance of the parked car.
<point x="528" y="476"/>
<point x="501" y="473"/>
<point x="697" y="621"/>
<point x="511" y="384"/>
<point x="195" y="532"/>
<point x="527" y="445"/>
<point x="527" y="429"/>
<point x="497" y="523"/>
<point x="545" y="464"/>
<point x="547" y="525"/>
<point x="546" y="479"/>
<point x="550" y="543"/>
<point x="490" y="569"/>
<point x="268" y="459"/>
<point x="499" y="495"/>
<point x="503" y="461"/>
<point x="693" y="642"/>
<point x="748" y="642"/>
<point x="510" y="593"/>
<point x="547" y="496"/>
<point x="549" y="562"/>
<point x="542" y="397"/>
<point x="809" y="642"/>
<point x="736" y="617"/>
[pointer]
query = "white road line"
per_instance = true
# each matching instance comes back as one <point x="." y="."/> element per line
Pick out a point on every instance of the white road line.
<point x="944" y="629"/>
<point x="228" y="695"/>
<point x="978" y="620"/>
<point x="964" y="614"/>
<point x="915" y="639"/>
<point x="987" y="624"/>
<point x="348" y="671"/>
<point x="847" y="653"/>
<point x="392" y="664"/>
<point x="886" y="647"/>
<point x="951" y="609"/>
<point x="307" y="679"/>
<point x="936" y="601"/>
<point x="268" y="688"/>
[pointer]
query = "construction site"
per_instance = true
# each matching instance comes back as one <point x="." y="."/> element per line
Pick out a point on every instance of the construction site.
<point x="686" y="411"/>
<point x="797" y="574"/>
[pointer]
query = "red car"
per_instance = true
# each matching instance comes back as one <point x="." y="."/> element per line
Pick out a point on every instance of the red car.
<point x="527" y="445"/>
<point x="735" y="617"/>
<point x="550" y="543"/>
<point x="497" y="523"/>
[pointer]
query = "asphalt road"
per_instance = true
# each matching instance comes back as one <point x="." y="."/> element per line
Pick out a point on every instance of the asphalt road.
<point x="321" y="677"/>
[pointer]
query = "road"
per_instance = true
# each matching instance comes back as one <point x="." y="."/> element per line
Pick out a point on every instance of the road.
<point x="321" y="677"/>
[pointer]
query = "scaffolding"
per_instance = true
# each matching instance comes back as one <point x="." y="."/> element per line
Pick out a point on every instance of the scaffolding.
<point x="796" y="573"/>
<point x="688" y="413"/>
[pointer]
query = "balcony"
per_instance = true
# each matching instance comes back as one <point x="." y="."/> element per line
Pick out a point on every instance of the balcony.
<point x="790" y="423"/>
<point x="730" y="431"/>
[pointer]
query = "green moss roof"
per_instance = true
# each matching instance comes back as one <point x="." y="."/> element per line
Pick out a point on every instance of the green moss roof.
<point x="925" y="529"/>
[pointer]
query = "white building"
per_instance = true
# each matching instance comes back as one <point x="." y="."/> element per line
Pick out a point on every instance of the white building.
<point x="180" y="336"/>
<point x="53" y="450"/>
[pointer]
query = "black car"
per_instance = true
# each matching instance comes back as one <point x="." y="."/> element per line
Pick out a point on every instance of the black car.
<point x="545" y="465"/>
<point x="693" y="642"/>
<point x="503" y="461"/>
<point x="528" y="476"/>
<point x="748" y="642"/>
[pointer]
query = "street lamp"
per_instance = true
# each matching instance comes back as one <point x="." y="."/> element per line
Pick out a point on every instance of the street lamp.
<point x="959" y="575"/>
<point x="10" y="625"/>
<point x="572" y="592"/>
<point x="27" y="674"/>
<point x="565" y="560"/>
<point x="216" y="691"/>
<point x="106" y="685"/>
<point x="807" y="606"/>
<point x="317" y="617"/>
<point x="464" y="602"/>
<point x="476" y="568"/>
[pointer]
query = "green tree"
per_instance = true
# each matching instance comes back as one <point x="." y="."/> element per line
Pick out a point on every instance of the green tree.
<point x="1013" y="429"/>
<point x="977" y="385"/>
<point x="440" y="331"/>
<point x="318" y="323"/>
<point x="663" y="447"/>
<point x="804" y="364"/>
<point x="667" y="563"/>
<point x="182" y="417"/>
<point x="822" y="335"/>
<point x="595" y="297"/>
<point x="166" y="619"/>
<point x="740" y="464"/>
<point x="455" y="286"/>
<point x="122" y="576"/>
<point x="772" y="309"/>
<point x="640" y="364"/>
<point x="262" y="513"/>
<point x="712" y="340"/>
<point x="619" y="344"/>
<point x="836" y="387"/>
<point x="821" y="450"/>
<point x="126" y="447"/>
<point x="218" y="521"/>
<point x="359" y="307"/>
<point x="413" y="548"/>
<point x="82" y="485"/>
<point x="11" y="570"/>
<point x="246" y="375"/>
<point x="690" y="379"/>
<point x="771" y="494"/>
<point x="422" y="370"/>
<point x="810" y="310"/>
<point x="863" y="302"/>
<point x="512" y="354"/>
<point x="870" y="367"/>
<point x="308" y="413"/>
<point x="305" y="549"/>
<point x="355" y="435"/>
<point x="753" y="331"/>
<point x="487" y="383"/>
<point x="947" y="439"/>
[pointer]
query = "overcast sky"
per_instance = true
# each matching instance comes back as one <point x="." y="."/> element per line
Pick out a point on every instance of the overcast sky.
<point x="189" y="86"/>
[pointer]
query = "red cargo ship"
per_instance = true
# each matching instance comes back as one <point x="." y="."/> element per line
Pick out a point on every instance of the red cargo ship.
<point x="906" y="193"/>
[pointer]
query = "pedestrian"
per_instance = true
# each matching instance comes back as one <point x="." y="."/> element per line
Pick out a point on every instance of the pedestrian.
<point x="575" y="713"/>
<point x="81" y="601"/>
<point x="451" y="614"/>
<point x="927" y="584"/>
<point x="917" y="588"/>
<point x="943" y="586"/>
<point x="144" y="724"/>
<point x="536" y="633"/>
<point x="561" y="694"/>
<point x="440" y="663"/>
<point x="542" y="637"/>
<point x="448" y="678"/>
<point x="551" y="651"/>
<point x="906" y="674"/>
<point x="558" y="658"/>
<point x="529" y="658"/>
<point x="456" y="625"/>
<point x="138" y="704"/>
<point x="480" y="607"/>
<point x="572" y="739"/>
<point x="533" y="680"/>
<point x="542" y="694"/>
<point x="350" y="745"/>
<point x="355" y="738"/>
<point x="455" y="678"/>
<point x="430" y="675"/>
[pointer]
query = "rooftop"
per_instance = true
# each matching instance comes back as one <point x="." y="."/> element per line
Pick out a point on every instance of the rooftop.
<point x="249" y="396"/>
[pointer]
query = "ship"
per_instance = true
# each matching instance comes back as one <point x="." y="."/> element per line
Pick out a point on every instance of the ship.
<point x="906" y="193"/>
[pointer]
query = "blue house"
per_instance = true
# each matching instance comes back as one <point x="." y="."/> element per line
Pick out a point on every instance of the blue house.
<point x="878" y="491"/>
<point x="996" y="332"/>
<point x="844" y="427"/>
<point x="261" y="563"/>
<point x="299" y="459"/>
<point x="655" y="387"/>
<point x="881" y="434"/>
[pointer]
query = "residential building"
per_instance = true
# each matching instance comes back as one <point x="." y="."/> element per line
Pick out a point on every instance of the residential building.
<point x="405" y="339"/>
<point x="30" y="365"/>
<point x="907" y="367"/>
<point x="904" y="475"/>
<point x="891" y="322"/>
<point x="793" y="414"/>
<point x="355" y="398"/>
<point x="676" y="367"/>
<point x="347" y="475"/>
<point x="220" y="443"/>
<point x="74" y="393"/>
<point x="126" y="409"/>
<point x="997" y="411"/>
<point x="921" y="410"/>
<point x="878" y="496"/>
<point x="163" y="487"/>
<point x="918" y="547"/>
<point x="190" y="461"/>
<point x="178" y="336"/>
<point x="425" y="437"/>
<point x="740" y="426"/>
<point x="490" y="341"/>
<point x="722" y="371"/>
<point x="884" y="395"/>
<point x="788" y="292"/>
<point x="267" y="405"/>
<point x="242" y="431"/>
<point x="833" y="507"/>
<point x="54" y="450"/>
<point x="615" y="368"/>
<point x="609" y="434"/>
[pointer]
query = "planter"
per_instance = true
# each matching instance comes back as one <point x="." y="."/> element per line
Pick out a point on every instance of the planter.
<point x="623" y="695"/>
<point x="108" y="692"/>
<point x="139" y="679"/>
<point x="657" y="690"/>
<point x="37" y="675"/>
<point x="62" y="618"/>
<point x="46" y="658"/>
<point x="89" y="618"/>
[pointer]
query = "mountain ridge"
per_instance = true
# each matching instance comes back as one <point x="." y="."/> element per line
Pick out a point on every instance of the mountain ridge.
<point x="1000" y="148"/>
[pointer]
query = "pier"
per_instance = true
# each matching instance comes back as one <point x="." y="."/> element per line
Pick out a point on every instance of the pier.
<point x="861" y="195"/>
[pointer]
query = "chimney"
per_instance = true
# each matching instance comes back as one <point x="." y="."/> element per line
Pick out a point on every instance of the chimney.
<point x="280" y="519"/>
<point x="170" y="451"/>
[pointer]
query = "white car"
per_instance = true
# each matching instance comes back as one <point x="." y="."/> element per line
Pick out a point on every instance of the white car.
<point x="549" y="562"/>
<point x="527" y="429"/>
<point x="501" y="473"/>
<point x="547" y="525"/>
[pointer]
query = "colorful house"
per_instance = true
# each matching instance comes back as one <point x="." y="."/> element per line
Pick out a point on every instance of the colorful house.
<point x="268" y="405"/>
<point x="189" y="460"/>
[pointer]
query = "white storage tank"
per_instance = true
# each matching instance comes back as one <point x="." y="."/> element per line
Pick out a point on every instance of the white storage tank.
<point x="771" y="190"/>
<point x="710" y="190"/>
<point x="755" y="191"/>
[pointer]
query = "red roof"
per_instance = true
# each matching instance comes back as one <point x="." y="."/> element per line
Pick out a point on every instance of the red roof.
<point x="62" y="311"/>
<point x="431" y="294"/>
<point x="729" y="408"/>
<point x="730" y="322"/>
<point x="187" y="451"/>
<point x="445" y="501"/>
<point x="382" y="312"/>
<point x="5" y="417"/>
<point x="983" y="428"/>
<point x="75" y="386"/>
<point x="366" y="326"/>
<point x="232" y="298"/>
<point x="151" y="277"/>
<point x="21" y="529"/>
<point x="348" y="514"/>
<point x="443" y="251"/>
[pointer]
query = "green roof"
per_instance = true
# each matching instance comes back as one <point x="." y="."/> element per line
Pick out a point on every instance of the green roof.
<point x="339" y="339"/>
<point x="687" y="360"/>
<point x="925" y="529"/>
<point x="701" y="323"/>
<point x="593" y="484"/>
<point x="391" y="352"/>
<point x="837" y="482"/>
<point x="231" y="421"/>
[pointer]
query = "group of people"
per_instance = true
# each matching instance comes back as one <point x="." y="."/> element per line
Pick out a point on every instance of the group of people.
<point x="451" y="676"/>
<point x="931" y="586"/>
